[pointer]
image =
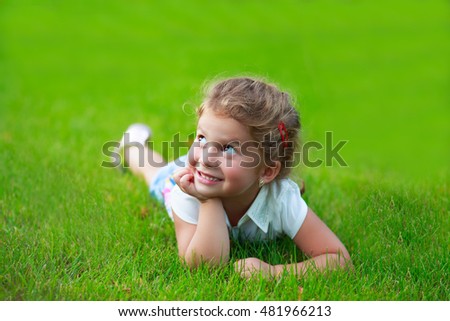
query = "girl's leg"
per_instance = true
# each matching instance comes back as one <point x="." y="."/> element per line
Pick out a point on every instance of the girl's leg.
<point x="143" y="161"/>
<point x="138" y="157"/>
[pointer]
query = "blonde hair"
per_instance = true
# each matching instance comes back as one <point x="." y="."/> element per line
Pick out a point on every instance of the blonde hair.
<point x="262" y="107"/>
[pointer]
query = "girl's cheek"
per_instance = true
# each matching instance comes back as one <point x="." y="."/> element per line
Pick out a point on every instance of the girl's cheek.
<point x="251" y="160"/>
<point x="233" y="169"/>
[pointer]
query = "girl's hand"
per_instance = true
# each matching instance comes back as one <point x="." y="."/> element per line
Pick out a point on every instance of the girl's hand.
<point x="251" y="267"/>
<point x="185" y="180"/>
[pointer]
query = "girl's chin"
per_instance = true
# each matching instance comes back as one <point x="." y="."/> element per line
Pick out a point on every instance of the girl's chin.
<point x="206" y="189"/>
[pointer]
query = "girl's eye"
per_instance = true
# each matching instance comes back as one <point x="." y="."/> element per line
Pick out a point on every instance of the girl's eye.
<point x="229" y="150"/>
<point x="201" y="139"/>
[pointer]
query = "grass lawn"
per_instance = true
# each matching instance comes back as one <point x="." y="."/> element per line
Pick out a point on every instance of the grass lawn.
<point x="75" y="74"/>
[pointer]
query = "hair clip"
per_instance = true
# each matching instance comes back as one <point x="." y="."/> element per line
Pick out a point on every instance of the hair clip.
<point x="283" y="133"/>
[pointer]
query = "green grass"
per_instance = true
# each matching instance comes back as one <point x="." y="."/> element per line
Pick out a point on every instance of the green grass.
<point x="73" y="75"/>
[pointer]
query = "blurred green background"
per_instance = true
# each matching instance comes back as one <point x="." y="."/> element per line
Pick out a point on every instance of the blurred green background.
<point x="75" y="74"/>
<point x="373" y="73"/>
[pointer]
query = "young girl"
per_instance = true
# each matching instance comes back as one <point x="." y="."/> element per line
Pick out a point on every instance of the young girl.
<point x="233" y="183"/>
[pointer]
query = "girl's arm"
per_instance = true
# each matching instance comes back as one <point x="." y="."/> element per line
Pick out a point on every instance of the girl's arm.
<point x="208" y="241"/>
<point x="314" y="239"/>
<point x="317" y="241"/>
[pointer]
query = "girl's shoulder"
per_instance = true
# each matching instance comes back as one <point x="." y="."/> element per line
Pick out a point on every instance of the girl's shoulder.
<point x="284" y="195"/>
<point x="283" y="186"/>
<point x="283" y="206"/>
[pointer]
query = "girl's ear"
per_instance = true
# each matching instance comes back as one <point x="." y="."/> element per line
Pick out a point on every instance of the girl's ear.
<point x="271" y="172"/>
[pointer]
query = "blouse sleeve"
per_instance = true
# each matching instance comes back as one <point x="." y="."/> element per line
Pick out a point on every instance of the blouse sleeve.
<point x="294" y="213"/>
<point x="185" y="206"/>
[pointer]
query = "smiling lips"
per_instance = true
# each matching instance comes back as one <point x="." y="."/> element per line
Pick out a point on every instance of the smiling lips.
<point x="206" y="178"/>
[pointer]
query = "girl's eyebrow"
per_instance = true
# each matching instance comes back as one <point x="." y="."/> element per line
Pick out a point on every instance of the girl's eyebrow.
<point x="234" y="143"/>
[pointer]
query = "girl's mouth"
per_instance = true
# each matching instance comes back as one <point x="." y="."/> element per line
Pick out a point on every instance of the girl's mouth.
<point x="207" y="179"/>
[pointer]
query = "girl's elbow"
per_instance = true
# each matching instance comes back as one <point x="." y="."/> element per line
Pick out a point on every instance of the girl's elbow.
<point x="194" y="261"/>
<point x="344" y="258"/>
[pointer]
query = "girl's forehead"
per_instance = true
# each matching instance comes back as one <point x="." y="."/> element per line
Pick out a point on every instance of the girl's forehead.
<point x="222" y="126"/>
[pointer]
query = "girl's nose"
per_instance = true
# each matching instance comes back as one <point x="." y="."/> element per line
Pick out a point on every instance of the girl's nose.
<point x="210" y="154"/>
<point x="194" y="154"/>
<point x="205" y="154"/>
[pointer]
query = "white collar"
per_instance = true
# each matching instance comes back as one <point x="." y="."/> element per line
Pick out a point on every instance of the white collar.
<point x="258" y="211"/>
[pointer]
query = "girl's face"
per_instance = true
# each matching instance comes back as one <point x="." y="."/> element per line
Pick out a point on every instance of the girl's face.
<point x="224" y="158"/>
